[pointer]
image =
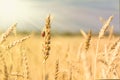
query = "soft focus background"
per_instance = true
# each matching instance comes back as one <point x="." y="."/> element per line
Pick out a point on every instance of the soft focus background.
<point x="71" y="55"/>
<point x="67" y="15"/>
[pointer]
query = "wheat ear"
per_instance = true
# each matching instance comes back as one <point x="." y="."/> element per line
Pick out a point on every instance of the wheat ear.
<point x="6" y="34"/>
<point x="25" y="64"/>
<point x="114" y="44"/>
<point x="57" y="70"/>
<point x="105" y="26"/>
<point x="101" y="34"/>
<point x="14" y="43"/>
<point x="87" y="43"/>
<point x="5" y="72"/>
<point x="83" y="33"/>
<point x="46" y="34"/>
<point x="114" y="56"/>
<point x="87" y="73"/>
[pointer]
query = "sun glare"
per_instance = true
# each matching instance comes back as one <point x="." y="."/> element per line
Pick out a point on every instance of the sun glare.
<point x="8" y="5"/>
<point x="12" y="9"/>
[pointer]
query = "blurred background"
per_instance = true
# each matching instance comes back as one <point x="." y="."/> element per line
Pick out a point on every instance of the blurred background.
<point x="67" y="15"/>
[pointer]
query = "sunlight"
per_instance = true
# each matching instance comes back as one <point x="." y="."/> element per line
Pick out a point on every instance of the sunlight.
<point x="12" y="9"/>
<point x="8" y="6"/>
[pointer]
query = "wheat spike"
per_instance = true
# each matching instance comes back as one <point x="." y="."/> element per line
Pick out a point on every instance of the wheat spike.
<point x="17" y="42"/>
<point x="87" y="43"/>
<point x="114" y="56"/>
<point x="105" y="26"/>
<point x="114" y="45"/>
<point x="6" y="34"/>
<point x="14" y="30"/>
<point x="5" y="72"/>
<point x="46" y="35"/>
<point x="101" y="34"/>
<point x="87" y="73"/>
<point x="83" y="33"/>
<point x="25" y="64"/>
<point x="56" y="70"/>
<point x="116" y="51"/>
<point x="110" y="27"/>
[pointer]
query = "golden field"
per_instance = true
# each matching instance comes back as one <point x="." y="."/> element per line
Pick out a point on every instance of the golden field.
<point x="84" y="57"/>
<point x="66" y="49"/>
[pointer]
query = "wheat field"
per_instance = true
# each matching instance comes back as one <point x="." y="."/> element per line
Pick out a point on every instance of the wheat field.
<point x="47" y="57"/>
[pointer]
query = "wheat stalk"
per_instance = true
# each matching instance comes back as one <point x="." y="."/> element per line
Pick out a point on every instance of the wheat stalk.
<point x="111" y="32"/>
<point x="101" y="34"/>
<point x="46" y="34"/>
<point x="87" y="73"/>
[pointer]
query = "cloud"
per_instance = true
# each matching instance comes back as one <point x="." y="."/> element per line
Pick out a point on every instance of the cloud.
<point x="69" y="15"/>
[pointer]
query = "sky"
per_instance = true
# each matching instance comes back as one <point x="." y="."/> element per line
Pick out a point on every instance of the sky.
<point x="66" y="15"/>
